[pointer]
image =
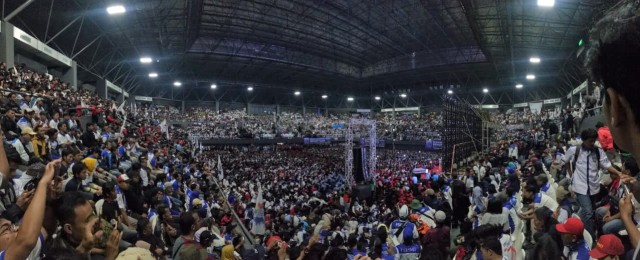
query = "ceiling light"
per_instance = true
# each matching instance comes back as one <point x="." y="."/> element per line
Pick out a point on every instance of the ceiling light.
<point x="403" y="95"/>
<point x="534" y="60"/>
<point x="116" y="9"/>
<point x="350" y="99"/>
<point x="214" y="86"/>
<point x="519" y="86"/>
<point x="250" y="89"/>
<point x="324" y="96"/>
<point x="531" y="76"/>
<point x="146" y="60"/>
<point x="153" y="75"/>
<point x="177" y="83"/>
<point x="485" y="90"/>
<point x="377" y="97"/>
<point x="449" y="92"/>
<point x="297" y="93"/>
<point x="546" y="3"/>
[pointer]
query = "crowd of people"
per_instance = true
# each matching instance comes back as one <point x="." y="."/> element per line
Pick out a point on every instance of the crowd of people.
<point x="82" y="178"/>
<point x="237" y="123"/>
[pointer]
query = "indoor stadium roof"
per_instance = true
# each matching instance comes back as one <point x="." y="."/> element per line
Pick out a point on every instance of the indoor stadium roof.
<point x="334" y="47"/>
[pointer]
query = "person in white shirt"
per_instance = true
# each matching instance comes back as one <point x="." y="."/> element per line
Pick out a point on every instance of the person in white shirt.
<point x="583" y="163"/>
<point x="53" y="123"/>
<point x="546" y="187"/>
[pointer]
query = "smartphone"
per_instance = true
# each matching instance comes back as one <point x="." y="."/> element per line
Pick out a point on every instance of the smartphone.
<point x="626" y="192"/>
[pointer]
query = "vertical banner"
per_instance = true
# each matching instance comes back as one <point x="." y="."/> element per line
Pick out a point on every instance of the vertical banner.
<point x="535" y="107"/>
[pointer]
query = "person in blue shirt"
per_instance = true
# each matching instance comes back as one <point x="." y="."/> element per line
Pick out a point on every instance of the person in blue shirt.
<point x="408" y="249"/>
<point x="575" y="247"/>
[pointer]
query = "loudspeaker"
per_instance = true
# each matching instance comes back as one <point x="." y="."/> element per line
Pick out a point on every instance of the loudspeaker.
<point x="362" y="192"/>
<point x="358" y="172"/>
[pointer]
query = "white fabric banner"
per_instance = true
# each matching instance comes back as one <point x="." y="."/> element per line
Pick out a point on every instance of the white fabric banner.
<point x="535" y="107"/>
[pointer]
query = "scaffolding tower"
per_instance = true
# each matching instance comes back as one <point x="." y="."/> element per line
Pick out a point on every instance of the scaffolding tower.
<point x="371" y="140"/>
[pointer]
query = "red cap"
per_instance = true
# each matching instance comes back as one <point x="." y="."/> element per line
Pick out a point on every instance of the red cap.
<point x="573" y="226"/>
<point x="608" y="245"/>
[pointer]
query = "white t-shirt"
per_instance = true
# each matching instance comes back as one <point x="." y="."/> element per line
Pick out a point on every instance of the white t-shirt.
<point x="542" y="200"/>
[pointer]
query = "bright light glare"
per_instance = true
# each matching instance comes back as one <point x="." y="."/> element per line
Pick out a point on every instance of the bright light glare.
<point x="324" y="96"/>
<point x="485" y="90"/>
<point x="297" y="93"/>
<point x="403" y="95"/>
<point x="534" y="60"/>
<point x="531" y="77"/>
<point x="250" y="89"/>
<point x="177" y="83"/>
<point x="350" y="99"/>
<point x="153" y="75"/>
<point x="449" y="92"/>
<point x="519" y="86"/>
<point x="116" y="9"/>
<point x="377" y="97"/>
<point x="214" y="86"/>
<point x="546" y="3"/>
<point x="146" y="60"/>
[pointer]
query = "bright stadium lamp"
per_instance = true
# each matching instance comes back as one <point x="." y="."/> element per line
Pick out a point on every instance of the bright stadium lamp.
<point x="531" y="77"/>
<point x="177" y="83"/>
<point x="403" y="95"/>
<point x="450" y="92"/>
<point x="377" y="97"/>
<point x="485" y="90"/>
<point x="534" y="60"/>
<point x="350" y="99"/>
<point x="325" y="96"/>
<point x="146" y="60"/>
<point x="116" y="9"/>
<point x="153" y="75"/>
<point x="214" y="86"/>
<point x="546" y="3"/>
<point x="297" y="93"/>
<point x="519" y="86"/>
<point x="250" y="89"/>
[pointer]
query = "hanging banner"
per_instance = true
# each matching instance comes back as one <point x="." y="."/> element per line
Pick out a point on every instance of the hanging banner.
<point x="552" y="101"/>
<point x="520" y="105"/>
<point x="535" y="107"/>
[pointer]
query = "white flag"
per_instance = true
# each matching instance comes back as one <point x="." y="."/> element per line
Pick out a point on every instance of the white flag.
<point x="220" y="170"/>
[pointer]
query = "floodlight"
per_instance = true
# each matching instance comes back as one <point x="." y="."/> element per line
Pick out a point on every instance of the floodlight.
<point x="324" y="96"/>
<point x="449" y="92"/>
<point x="350" y="99"/>
<point x="116" y="9"/>
<point x="146" y="60"/>
<point x="377" y="97"/>
<point x="297" y="93"/>
<point x="153" y="75"/>
<point x="214" y="86"/>
<point x="531" y="77"/>
<point x="250" y="89"/>
<point x="485" y="90"/>
<point x="403" y="95"/>
<point x="546" y="3"/>
<point x="519" y="86"/>
<point x="177" y="83"/>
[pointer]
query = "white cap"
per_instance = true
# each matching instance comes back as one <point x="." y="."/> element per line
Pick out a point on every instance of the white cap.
<point x="404" y="211"/>
<point x="440" y="216"/>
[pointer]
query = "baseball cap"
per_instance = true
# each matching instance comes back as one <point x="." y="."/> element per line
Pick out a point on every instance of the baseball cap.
<point x="196" y="202"/>
<point x="573" y="226"/>
<point x="123" y="177"/>
<point x="608" y="245"/>
<point x="440" y="216"/>
<point x="28" y="130"/>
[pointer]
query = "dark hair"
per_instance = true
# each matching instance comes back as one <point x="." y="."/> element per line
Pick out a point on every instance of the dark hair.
<point x="77" y="168"/>
<point x="161" y="209"/>
<point x="494" y="206"/>
<point x="492" y="243"/>
<point x="12" y="154"/>
<point x="65" y="209"/>
<point x="546" y="216"/>
<point x="67" y="152"/>
<point x="142" y="223"/>
<point x="186" y="222"/>
<point x="63" y="123"/>
<point x="613" y="57"/>
<point x="589" y="133"/>
<point x="630" y="164"/>
<point x="532" y="188"/>
<point x="546" y="248"/>
<point x="51" y="132"/>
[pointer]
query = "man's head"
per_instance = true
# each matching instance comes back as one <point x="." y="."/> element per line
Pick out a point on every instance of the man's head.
<point x="571" y="231"/>
<point x="613" y="60"/>
<point x="630" y="167"/>
<point x="63" y="126"/>
<point x="10" y="114"/>
<point x="27" y="134"/>
<point x="91" y="127"/>
<point x="589" y="137"/>
<point x="188" y="223"/>
<point x="29" y="113"/>
<point x="40" y="131"/>
<point x="123" y="181"/>
<point x="79" y="171"/>
<point x="530" y="190"/>
<point x="491" y="248"/>
<point x="75" y="215"/>
<point x="542" y="179"/>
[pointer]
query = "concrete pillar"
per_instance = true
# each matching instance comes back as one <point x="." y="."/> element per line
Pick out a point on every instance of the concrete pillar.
<point x="304" y="110"/>
<point x="182" y="106"/>
<point x="217" y="106"/>
<point x="71" y="75"/>
<point x="277" y="109"/>
<point x="247" y="108"/>
<point x="7" y="51"/>
<point x="120" y="98"/>
<point x="101" y="88"/>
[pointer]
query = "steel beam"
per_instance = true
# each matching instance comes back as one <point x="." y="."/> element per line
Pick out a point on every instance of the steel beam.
<point x="18" y="10"/>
